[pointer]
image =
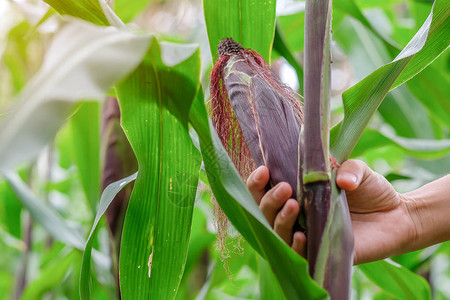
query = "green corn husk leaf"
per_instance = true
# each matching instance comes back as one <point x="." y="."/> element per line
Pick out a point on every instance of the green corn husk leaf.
<point x="268" y="114"/>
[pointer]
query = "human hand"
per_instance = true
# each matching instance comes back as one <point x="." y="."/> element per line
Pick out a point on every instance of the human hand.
<point x="278" y="207"/>
<point x="382" y="219"/>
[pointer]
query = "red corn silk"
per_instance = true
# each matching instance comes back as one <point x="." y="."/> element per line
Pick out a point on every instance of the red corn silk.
<point x="255" y="115"/>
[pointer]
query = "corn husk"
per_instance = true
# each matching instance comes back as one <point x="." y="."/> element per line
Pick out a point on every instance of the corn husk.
<point x="256" y="116"/>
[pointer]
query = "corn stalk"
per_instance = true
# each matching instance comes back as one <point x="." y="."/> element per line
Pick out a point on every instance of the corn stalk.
<point x="328" y="226"/>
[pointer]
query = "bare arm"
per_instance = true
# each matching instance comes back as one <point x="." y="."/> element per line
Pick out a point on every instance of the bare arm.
<point x="429" y="208"/>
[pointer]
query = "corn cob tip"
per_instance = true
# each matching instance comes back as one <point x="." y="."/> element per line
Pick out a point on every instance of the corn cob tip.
<point x="228" y="46"/>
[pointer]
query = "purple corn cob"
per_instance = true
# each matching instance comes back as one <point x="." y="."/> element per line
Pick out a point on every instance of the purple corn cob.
<point x="254" y="113"/>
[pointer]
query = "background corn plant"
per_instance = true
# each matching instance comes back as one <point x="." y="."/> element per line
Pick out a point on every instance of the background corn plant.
<point x="64" y="155"/>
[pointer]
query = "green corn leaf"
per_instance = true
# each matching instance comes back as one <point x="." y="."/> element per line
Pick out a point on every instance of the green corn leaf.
<point x="430" y="41"/>
<point x="351" y="8"/>
<point x="83" y="62"/>
<point x="250" y="23"/>
<point x="432" y="87"/>
<point x="52" y="222"/>
<point x="48" y="218"/>
<point x="405" y="114"/>
<point x="362" y="100"/>
<point x="159" y="215"/>
<point x="201" y="239"/>
<point x="15" y="59"/>
<point x="85" y="128"/>
<point x="236" y="201"/>
<point x="51" y="276"/>
<point x="396" y="280"/>
<point x="111" y="16"/>
<point x="128" y="9"/>
<point x="10" y="211"/>
<point x="268" y="286"/>
<point x="279" y="45"/>
<point x="292" y="26"/>
<point x="84" y="9"/>
<point x="400" y="108"/>
<point x="107" y="197"/>
<point x="419" y="148"/>
<point x="50" y="12"/>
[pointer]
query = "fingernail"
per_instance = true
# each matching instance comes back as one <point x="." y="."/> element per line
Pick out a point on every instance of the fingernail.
<point x="285" y="211"/>
<point x="350" y="177"/>
<point x="258" y="174"/>
<point x="278" y="193"/>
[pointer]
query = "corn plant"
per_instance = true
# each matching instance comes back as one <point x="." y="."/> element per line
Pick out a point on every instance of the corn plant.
<point x="60" y="140"/>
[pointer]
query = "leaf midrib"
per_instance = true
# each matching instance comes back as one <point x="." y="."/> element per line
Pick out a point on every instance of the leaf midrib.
<point x="160" y="166"/>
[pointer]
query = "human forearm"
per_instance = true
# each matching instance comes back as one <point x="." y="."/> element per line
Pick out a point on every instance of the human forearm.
<point x="429" y="209"/>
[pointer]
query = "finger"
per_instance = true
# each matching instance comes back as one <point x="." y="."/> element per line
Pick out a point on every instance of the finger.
<point x="351" y="173"/>
<point x="299" y="243"/>
<point x="285" y="220"/>
<point x="274" y="200"/>
<point x="257" y="182"/>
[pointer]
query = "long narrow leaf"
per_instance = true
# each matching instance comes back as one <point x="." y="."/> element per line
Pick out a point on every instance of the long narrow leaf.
<point x="280" y="45"/>
<point x="50" y="277"/>
<point x="52" y="222"/>
<point x="128" y="9"/>
<point x="107" y="197"/>
<point x="84" y="9"/>
<point x="350" y="7"/>
<point x="268" y="286"/>
<point x="85" y="128"/>
<point x="158" y="220"/>
<point x="401" y="110"/>
<point x="420" y="148"/>
<point x="48" y="218"/>
<point x="432" y="87"/>
<point x="429" y="43"/>
<point x="83" y="62"/>
<point x="362" y="100"/>
<point x="250" y="23"/>
<point x="398" y="281"/>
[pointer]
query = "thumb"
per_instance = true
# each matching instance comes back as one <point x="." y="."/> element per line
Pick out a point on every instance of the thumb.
<point x="351" y="173"/>
<point x="366" y="190"/>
